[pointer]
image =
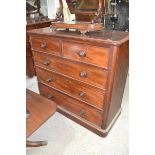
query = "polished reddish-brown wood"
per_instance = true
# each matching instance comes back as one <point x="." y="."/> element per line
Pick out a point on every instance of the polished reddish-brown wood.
<point x="83" y="27"/>
<point x="84" y="92"/>
<point x="87" y="77"/>
<point x="117" y="82"/>
<point x="103" y="38"/>
<point x="85" y="53"/>
<point x="86" y="10"/>
<point x="45" y="44"/>
<point x="75" y="70"/>
<point x="72" y="105"/>
<point x="40" y="110"/>
<point x="30" y="70"/>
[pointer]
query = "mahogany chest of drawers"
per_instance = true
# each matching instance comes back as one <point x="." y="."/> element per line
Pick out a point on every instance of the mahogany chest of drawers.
<point x="84" y="74"/>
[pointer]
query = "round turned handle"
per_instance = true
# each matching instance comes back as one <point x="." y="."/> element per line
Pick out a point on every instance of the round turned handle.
<point x="83" y="74"/>
<point x="49" y="80"/>
<point x="81" y="94"/>
<point x="46" y="62"/>
<point x="50" y="97"/>
<point x="43" y="45"/>
<point x="82" y="112"/>
<point x="82" y="53"/>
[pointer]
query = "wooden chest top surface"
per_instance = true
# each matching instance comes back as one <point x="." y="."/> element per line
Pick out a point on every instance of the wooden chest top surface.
<point x="103" y="36"/>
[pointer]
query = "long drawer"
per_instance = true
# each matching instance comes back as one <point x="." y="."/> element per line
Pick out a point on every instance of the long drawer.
<point x="74" y="88"/>
<point x="84" y="111"/>
<point x="89" y="74"/>
<point x="86" y="53"/>
<point x="44" y="44"/>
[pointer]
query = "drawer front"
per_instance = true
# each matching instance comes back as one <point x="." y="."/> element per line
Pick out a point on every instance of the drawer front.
<point x="74" y="88"/>
<point x="44" y="44"/>
<point x="89" y="74"/>
<point x="85" y="53"/>
<point x="72" y="105"/>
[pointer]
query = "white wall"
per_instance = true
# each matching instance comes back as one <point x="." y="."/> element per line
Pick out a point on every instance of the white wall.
<point x="52" y="6"/>
<point x="49" y="8"/>
<point x="43" y="9"/>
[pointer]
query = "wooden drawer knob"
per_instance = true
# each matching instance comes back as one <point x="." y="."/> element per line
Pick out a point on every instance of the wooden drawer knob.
<point x="82" y="112"/>
<point x="82" y="94"/>
<point x="43" y="45"/>
<point x="50" y="97"/>
<point x="82" y="54"/>
<point x="83" y="74"/>
<point x="46" y="62"/>
<point x="49" y="80"/>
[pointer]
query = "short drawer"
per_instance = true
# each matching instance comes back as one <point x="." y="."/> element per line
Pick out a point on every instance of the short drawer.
<point x="74" y="88"/>
<point x="86" y="53"/>
<point x="45" y="44"/>
<point x="86" y="112"/>
<point x="85" y="73"/>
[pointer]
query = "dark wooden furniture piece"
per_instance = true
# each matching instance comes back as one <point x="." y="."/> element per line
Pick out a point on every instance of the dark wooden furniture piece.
<point x="115" y="12"/>
<point x="83" y="28"/>
<point x="38" y="21"/>
<point x="82" y="7"/>
<point x="87" y="10"/>
<point x="40" y="110"/>
<point x="33" y="24"/>
<point x="84" y="74"/>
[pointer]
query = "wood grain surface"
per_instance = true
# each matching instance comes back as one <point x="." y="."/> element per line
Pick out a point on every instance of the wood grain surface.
<point x="40" y="110"/>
